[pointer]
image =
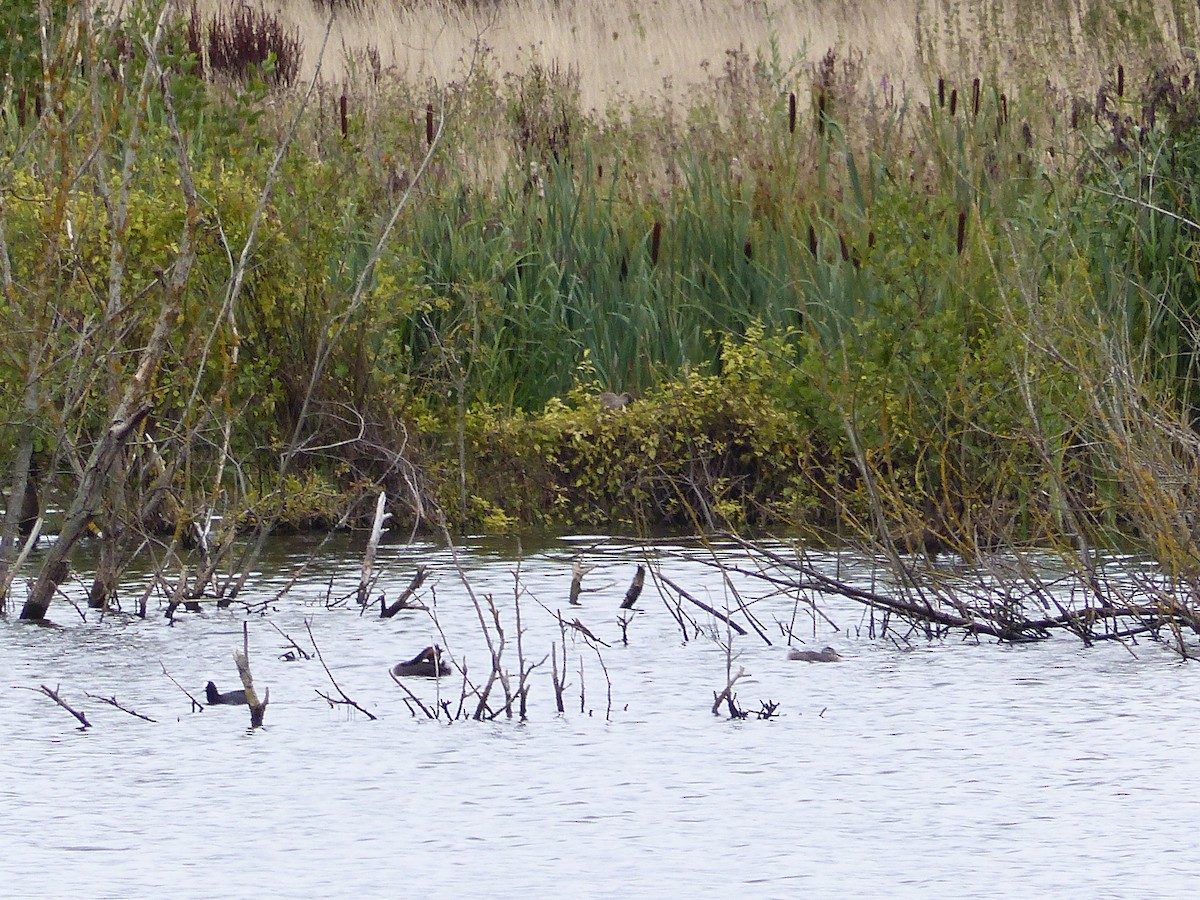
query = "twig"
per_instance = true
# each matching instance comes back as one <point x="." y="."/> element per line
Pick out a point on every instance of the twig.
<point x="345" y="699"/>
<point x="112" y="701"/>
<point x="53" y="695"/>
<point x="289" y="656"/>
<point x="197" y="706"/>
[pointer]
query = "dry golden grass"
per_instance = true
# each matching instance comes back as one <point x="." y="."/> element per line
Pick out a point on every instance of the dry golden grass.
<point x="632" y="49"/>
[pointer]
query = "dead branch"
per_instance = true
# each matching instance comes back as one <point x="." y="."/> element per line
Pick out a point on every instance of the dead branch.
<point x="578" y="570"/>
<point x="704" y="606"/>
<point x="197" y="706"/>
<point x="635" y="588"/>
<point x="345" y="699"/>
<point x="368" y="565"/>
<point x="726" y="695"/>
<point x="241" y="658"/>
<point x="53" y="695"/>
<point x="402" y="602"/>
<point x="112" y="701"/>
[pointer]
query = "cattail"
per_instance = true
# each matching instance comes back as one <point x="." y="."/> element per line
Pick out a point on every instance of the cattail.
<point x="1004" y="107"/>
<point x="1120" y="80"/>
<point x="1027" y="135"/>
<point x="655" y="241"/>
<point x="941" y="93"/>
<point x="342" y="115"/>
<point x="962" y="231"/>
<point x="845" y="249"/>
<point x="975" y="98"/>
<point x="429" y="124"/>
<point x="599" y="171"/>
<point x="21" y="108"/>
<point x="748" y="249"/>
<point x="812" y="240"/>
<point x="624" y="268"/>
<point x="792" y="113"/>
<point x="953" y="102"/>
<point x="821" y="113"/>
<point x="871" y="239"/>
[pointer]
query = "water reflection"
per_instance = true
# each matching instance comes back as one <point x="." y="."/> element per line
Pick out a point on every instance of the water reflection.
<point x="955" y="768"/>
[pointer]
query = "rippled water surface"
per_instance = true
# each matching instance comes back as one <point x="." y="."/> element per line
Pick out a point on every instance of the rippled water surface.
<point x="953" y="769"/>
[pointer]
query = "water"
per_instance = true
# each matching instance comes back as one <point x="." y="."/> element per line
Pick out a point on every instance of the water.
<point x="953" y="769"/>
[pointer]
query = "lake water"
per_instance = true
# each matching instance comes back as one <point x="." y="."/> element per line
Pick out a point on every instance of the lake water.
<point x="954" y="769"/>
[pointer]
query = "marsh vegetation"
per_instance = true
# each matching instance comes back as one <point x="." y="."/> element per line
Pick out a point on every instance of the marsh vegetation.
<point x="931" y="289"/>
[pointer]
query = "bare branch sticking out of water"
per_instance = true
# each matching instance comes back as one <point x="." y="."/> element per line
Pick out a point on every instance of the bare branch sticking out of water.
<point x="197" y="706"/>
<point x="345" y="699"/>
<point x="704" y="606"/>
<point x="297" y="652"/>
<point x="727" y="696"/>
<point x="54" y="695"/>
<point x="369" y="577"/>
<point x="112" y="701"/>
<point x="403" y="601"/>
<point x="578" y="570"/>
<point x="635" y="588"/>
<point x="241" y="659"/>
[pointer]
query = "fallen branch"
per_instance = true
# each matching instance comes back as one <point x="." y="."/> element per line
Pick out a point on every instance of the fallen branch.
<point x="345" y="700"/>
<point x="727" y="696"/>
<point x="402" y="602"/>
<point x="112" y="701"/>
<point x="635" y="588"/>
<point x="704" y="606"/>
<point x="197" y="706"/>
<point x="53" y="695"/>
<point x="241" y="659"/>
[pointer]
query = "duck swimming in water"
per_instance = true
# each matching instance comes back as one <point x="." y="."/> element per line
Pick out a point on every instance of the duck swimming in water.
<point x="230" y="698"/>
<point x="426" y="664"/>
<point x="828" y="654"/>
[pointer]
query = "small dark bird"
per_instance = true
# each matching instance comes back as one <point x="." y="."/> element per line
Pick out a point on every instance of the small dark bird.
<point x="609" y="400"/>
<point x="230" y="698"/>
<point x="828" y="654"/>
<point x="426" y="664"/>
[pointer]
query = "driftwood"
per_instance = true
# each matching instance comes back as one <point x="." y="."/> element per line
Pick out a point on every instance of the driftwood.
<point x="402" y="602"/>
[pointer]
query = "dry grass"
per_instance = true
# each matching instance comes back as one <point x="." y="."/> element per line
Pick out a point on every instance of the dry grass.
<point x="633" y="49"/>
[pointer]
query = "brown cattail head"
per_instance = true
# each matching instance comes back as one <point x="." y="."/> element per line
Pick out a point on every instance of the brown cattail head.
<point x="655" y="240"/>
<point x="941" y="93"/>
<point x="975" y="98"/>
<point x="845" y="249"/>
<point x="821" y="112"/>
<point x="342" y="118"/>
<point x="748" y="249"/>
<point x="1120" y="80"/>
<point x="1027" y="135"/>
<point x="812" y="240"/>
<point x="961" y="239"/>
<point x="428" y="124"/>
<point x="953" y="101"/>
<point x="1004" y="107"/>
<point x="792" y="113"/>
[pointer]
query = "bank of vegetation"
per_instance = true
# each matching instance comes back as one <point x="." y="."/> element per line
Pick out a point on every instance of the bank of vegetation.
<point x="951" y="317"/>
